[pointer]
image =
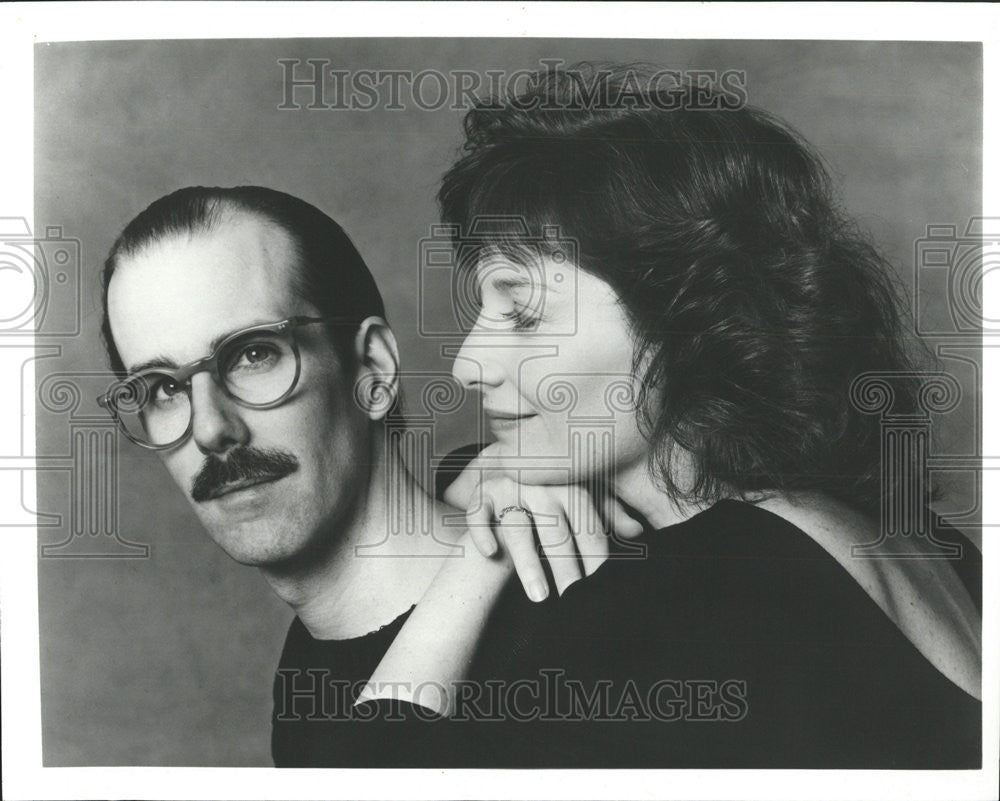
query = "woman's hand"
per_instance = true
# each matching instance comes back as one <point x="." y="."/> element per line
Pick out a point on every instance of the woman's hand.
<point x="571" y="528"/>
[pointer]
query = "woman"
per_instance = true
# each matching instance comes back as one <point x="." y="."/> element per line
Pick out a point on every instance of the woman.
<point x="684" y="277"/>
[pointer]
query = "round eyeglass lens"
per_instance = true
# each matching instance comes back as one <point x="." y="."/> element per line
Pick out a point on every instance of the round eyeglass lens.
<point x="152" y="408"/>
<point x="259" y="368"/>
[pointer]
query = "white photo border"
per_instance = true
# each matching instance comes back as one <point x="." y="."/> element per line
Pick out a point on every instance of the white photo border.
<point x="24" y="25"/>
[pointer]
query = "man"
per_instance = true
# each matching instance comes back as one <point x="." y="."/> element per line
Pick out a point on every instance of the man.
<point x="256" y="359"/>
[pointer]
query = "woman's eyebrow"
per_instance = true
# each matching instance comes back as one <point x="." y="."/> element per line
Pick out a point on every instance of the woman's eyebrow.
<point x="506" y="284"/>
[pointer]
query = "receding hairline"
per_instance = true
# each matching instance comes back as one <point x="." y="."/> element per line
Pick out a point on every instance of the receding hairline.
<point x="225" y="212"/>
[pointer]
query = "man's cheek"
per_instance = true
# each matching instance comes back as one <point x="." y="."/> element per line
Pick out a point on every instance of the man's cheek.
<point x="181" y="471"/>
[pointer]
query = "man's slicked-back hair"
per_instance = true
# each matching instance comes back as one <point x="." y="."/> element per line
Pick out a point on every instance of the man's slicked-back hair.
<point x="330" y="272"/>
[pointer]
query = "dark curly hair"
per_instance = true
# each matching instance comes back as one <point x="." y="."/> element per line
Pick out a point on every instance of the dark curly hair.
<point x="755" y="300"/>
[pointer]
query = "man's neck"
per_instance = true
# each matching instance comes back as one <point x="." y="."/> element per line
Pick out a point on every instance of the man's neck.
<point x="379" y="562"/>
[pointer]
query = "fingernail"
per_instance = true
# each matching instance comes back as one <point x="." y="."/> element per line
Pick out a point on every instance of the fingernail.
<point x="537" y="590"/>
<point x="487" y="548"/>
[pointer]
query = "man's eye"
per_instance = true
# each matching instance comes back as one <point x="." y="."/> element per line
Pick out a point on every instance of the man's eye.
<point x="164" y="389"/>
<point x="255" y="357"/>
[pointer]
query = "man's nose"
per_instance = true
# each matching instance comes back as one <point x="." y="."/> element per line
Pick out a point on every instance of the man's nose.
<point x="216" y="423"/>
<point x="476" y="365"/>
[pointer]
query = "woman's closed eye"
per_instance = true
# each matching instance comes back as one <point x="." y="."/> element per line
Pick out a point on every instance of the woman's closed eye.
<point x="521" y="320"/>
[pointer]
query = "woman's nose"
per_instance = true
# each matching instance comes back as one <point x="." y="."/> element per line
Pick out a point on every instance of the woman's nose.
<point x="217" y="425"/>
<point x="476" y="365"/>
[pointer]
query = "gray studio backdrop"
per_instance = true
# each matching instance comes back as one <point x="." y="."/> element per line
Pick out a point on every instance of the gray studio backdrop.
<point x="168" y="658"/>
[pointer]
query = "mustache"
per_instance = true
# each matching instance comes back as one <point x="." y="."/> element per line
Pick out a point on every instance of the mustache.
<point x="241" y="464"/>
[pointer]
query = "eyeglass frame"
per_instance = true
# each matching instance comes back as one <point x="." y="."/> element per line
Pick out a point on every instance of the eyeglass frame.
<point x="210" y="364"/>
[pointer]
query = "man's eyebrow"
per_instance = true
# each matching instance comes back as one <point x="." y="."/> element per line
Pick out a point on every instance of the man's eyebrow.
<point x="158" y="361"/>
<point x="164" y="362"/>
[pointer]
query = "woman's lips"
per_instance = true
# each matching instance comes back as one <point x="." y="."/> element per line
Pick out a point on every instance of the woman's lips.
<point x="502" y="421"/>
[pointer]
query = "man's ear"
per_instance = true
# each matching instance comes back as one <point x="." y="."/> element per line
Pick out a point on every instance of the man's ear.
<point x="377" y="384"/>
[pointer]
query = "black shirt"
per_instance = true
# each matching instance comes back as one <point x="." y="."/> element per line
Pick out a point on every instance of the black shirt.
<point x="735" y="641"/>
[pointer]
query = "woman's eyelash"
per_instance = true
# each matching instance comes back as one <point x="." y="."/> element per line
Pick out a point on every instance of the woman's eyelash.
<point x="522" y="321"/>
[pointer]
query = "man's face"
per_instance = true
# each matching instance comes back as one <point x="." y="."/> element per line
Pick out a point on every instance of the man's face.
<point x="169" y="303"/>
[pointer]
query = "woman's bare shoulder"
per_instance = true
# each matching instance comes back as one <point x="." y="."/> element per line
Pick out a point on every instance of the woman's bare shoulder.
<point x="920" y="592"/>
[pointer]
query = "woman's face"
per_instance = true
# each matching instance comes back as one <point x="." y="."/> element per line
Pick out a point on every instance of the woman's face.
<point x="551" y="353"/>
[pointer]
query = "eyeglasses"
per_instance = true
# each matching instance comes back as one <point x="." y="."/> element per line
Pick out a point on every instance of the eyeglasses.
<point x="257" y="367"/>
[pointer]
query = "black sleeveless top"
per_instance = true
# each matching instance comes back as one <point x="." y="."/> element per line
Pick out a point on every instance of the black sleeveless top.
<point x="733" y="641"/>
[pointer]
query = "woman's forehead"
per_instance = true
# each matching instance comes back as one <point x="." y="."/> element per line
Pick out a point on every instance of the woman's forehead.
<point x="510" y="272"/>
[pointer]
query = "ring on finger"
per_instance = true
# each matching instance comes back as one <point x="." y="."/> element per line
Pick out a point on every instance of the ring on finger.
<point x="507" y="509"/>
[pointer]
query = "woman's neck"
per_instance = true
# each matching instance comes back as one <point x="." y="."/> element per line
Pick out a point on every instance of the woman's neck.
<point x="636" y="486"/>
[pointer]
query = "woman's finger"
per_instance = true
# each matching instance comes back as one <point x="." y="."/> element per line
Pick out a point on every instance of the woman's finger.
<point x="559" y="546"/>
<point x="480" y="523"/>
<point x="588" y="529"/>
<point x="518" y="537"/>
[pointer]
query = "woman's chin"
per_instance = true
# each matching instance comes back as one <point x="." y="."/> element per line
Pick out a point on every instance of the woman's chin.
<point x="542" y="467"/>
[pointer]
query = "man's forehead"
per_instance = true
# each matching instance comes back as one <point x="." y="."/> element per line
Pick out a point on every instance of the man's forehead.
<point x="249" y="237"/>
<point x="175" y="296"/>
